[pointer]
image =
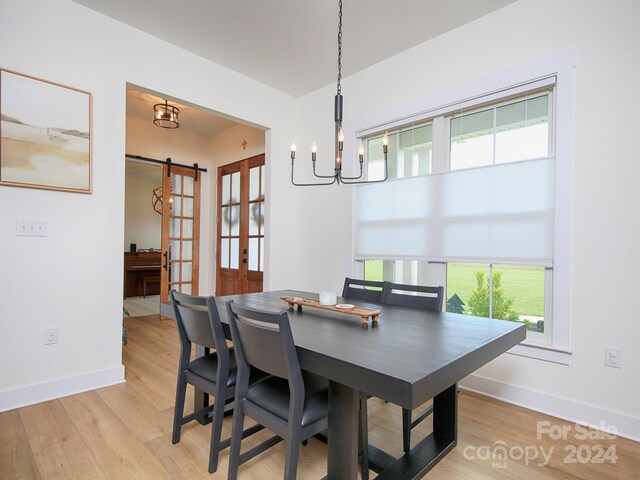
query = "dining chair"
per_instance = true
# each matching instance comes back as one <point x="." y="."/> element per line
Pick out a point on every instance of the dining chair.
<point x="291" y="403"/>
<point x="415" y="296"/>
<point x="365" y="290"/>
<point x="214" y="373"/>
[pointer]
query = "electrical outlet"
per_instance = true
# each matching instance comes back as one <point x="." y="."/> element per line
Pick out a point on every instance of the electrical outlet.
<point x="613" y="357"/>
<point x="31" y="228"/>
<point x="50" y="336"/>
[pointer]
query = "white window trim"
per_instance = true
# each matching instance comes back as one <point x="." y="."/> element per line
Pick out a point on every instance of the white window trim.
<point x="562" y="65"/>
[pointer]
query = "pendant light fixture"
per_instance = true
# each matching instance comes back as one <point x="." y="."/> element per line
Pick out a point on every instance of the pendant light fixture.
<point x="337" y="176"/>
<point x="165" y="115"/>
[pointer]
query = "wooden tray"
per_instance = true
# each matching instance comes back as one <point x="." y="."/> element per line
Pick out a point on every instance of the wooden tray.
<point x="362" y="312"/>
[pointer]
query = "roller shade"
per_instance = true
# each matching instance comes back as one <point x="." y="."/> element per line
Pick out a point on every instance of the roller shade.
<point x="499" y="214"/>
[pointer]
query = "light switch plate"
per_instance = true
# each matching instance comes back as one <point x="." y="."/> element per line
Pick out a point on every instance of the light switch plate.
<point x="613" y="357"/>
<point x="31" y="228"/>
<point x="50" y="336"/>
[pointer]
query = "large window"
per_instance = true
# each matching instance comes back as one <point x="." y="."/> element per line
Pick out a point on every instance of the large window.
<point x="469" y="206"/>
<point x="410" y="151"/>
<point x="507" y="132"/>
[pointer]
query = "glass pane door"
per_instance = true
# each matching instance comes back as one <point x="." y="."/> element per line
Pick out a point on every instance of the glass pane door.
<point x="241" y="212"/>
<point x="180" y="232"/>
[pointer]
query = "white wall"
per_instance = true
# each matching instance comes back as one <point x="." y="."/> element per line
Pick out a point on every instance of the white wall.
<point x="145" y="139"/>
<point x="72" y="279"/>
<point x="605" y="257"/>
<point x="143" y="225"/>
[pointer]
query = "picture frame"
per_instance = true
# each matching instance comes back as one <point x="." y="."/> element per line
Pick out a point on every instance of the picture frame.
<point x="46" y="137"/>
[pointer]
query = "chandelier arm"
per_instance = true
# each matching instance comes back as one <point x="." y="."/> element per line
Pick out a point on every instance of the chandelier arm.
<point x="342" y="177"/>
<point x="360" y="182"/>
<point x="310" y="184"/>
<point x="386" y="176"/>
<point x="321" y="176"/>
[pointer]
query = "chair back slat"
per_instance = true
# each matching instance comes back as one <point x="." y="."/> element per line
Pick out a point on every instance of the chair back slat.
<point x="416" y="296"/>
<point x="199" y="322"/>
<point x="264" y="340"/>
<point x="365" y="290"/>
<point x="262" y="347"/>
<point x="197" y="328"/>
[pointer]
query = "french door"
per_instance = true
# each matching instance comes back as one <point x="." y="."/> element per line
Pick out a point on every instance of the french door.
<point x="240" y="238"/>
<point x="180" y="231"/>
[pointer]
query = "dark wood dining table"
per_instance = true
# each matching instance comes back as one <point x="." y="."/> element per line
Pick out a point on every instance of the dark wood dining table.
<point x="407" y="357"/>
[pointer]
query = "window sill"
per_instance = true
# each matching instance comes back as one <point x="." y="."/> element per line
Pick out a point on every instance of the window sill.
<point x="547" y="353"/>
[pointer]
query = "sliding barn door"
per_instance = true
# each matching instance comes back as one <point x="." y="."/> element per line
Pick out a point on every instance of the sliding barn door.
<point x="180" y="231"/>
<point x="240" y="238"/>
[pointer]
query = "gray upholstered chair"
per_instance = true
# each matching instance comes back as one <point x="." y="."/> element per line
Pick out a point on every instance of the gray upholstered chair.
<point x="214" y="373"/>
<point x="291" y="403"/>
<point x="416" y="296"/>
<point x="365" y="290"/>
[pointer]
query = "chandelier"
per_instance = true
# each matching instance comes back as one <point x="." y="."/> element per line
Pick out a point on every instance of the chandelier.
<point x="165" y="115"/>
<point x="337" y="176"/>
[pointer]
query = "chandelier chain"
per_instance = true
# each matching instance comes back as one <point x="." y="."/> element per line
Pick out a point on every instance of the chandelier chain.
<point x="340" y="47"/>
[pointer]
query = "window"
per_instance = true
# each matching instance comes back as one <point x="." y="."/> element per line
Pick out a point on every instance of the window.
<point x="476" y="216"/>
<point x="409" y="153"/>
<point x="459" y="219"/>
<point x="505" y="292"/>
<point x="509" y="132"/>
<point x="411" y="272"/>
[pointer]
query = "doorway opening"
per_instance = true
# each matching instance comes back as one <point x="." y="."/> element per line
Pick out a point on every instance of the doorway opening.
<point x="186" y="260"/>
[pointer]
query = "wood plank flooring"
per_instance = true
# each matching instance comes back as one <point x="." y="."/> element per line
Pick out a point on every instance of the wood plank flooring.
<point x="124" y="432"/>
<point x="139" y="306"/>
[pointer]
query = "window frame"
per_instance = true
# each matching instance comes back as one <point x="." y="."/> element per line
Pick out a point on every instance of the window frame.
<point x="500" y="86"/>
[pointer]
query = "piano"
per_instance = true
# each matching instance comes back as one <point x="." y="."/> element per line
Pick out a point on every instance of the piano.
<point x="137" y="267"/>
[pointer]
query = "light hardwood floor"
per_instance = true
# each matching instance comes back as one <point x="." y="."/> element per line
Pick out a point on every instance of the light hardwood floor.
<point x="138" y="306"/>
<point x="124" y="432"/>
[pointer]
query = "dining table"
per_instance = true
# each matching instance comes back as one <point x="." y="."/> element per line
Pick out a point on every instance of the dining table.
<point x="406" y="357"/>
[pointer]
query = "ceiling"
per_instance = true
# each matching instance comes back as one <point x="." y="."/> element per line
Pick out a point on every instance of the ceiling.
<point x="291" y="45"/>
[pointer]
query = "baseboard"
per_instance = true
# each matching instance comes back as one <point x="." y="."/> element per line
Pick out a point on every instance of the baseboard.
<point x="60" y="387"/>
<point x="626" y="425"/>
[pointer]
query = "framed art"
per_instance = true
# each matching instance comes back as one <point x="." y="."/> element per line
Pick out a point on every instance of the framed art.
<point x="45" y="139"/>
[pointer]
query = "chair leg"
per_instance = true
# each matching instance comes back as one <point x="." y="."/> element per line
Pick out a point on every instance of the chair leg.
<point x="216" y="428"/>
<point x="178" y="412"/>
<point x="293" y="450"/>
<point x="363" y="436"/>
<point x="236" y="439"/>
<point x="406" y="430"/>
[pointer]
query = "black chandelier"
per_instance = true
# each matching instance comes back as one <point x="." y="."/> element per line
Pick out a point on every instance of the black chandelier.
<point x="337" y="176"/>
<point x="165" y="115"/>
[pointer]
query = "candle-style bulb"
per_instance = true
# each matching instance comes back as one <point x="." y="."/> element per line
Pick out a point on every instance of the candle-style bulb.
<point x="385" y="139"/>
<point x="293" y="147"/>
<point x="314" y="147"/>
<point x="293" y="152"/>
<point x="361" y="149"/>
<point x="340" y="135"/>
